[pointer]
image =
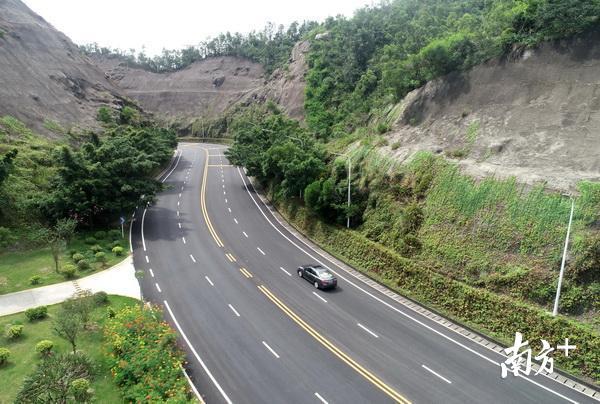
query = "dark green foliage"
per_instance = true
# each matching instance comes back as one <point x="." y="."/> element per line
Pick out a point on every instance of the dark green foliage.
<point x="100" y="298"/>
<point x="51" y="381"/>
<point x="67" y="326"/>
<point x="387" y="50"/>
<point x="271" y="47"/>
<point x="68" y="271"/>
<point x="80" y="306"/>
<point x="108" y="176"/>
<point x="36" y="313"/>
<point x="14" y="331"/>
<point x="78" y="257"/>
<point x="587" y="264"/>
<point x="91" y="240"/>
<point x="96" y="248"/>
<point x="83" y="264"/>
<point x="44" y="347"/>
<point x="4" y="355"/>
<point x="6" y="163"/>
<point x="128" y="116"/>
<point x="105" y="115"/>
<point x="276" y="150"/>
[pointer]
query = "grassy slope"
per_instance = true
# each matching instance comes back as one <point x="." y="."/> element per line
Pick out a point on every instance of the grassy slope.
<point x="24" y="358"/>
<point x="17" y="267"/>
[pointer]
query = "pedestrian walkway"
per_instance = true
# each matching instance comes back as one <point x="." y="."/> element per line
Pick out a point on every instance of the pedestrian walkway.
<point x="117" y="280"/>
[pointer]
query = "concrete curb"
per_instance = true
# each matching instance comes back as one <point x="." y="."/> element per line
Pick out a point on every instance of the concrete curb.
<point x="117" y="280"/>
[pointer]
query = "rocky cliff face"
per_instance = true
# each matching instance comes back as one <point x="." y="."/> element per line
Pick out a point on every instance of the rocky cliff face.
<point x="43" y="77"/>
<point x="210" y="87"/>
<point x="204" y="89"/>
<point x="535" y="115"/>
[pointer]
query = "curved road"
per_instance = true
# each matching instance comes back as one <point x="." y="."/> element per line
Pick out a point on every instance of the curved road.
<point x="223" y="268"/>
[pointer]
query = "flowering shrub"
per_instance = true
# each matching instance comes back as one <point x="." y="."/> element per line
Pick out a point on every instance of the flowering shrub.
<point x="145" y="360"/>
<point x="44" y="347"/>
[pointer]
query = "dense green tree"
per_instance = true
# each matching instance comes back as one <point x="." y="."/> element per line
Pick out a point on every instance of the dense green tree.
<point x="107" y="176"/>
<point x="6" y="164"/>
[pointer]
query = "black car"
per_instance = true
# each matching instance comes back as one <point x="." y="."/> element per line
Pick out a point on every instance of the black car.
<point x="320" y="277"/>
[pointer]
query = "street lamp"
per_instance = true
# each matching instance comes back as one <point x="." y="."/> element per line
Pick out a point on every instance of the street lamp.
<point x="564" y="258"/>
<point x="349" y="175"/>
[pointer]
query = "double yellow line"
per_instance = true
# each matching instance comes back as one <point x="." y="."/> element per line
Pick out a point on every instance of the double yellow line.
<point x="336" y="351"/>
<point x="325" y="342"/>
<point x="246" y="273"/>
<point x="211" y="229"/>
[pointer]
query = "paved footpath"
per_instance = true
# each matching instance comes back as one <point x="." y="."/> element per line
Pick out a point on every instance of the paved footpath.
<point x="117" y="280"/>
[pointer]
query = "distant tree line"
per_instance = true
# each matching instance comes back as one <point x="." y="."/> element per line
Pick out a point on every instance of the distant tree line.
<point x="270" y="47"/>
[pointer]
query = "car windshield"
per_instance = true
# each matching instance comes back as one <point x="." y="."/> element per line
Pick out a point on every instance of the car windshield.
<point x="323" y="273"/>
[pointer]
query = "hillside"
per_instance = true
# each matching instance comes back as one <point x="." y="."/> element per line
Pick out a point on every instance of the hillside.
<point x="44" y="80"/>
<point x="534" y="115"/>
<point x="210" y="87"/>
<point x="203" y="89"/>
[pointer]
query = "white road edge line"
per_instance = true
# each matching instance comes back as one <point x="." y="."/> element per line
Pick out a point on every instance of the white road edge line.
<point x="384" y="302"/>
<point x="143" y="239"/>
<point x="367" y="330"/>
<point x="209" y="281"/>
<point x="234" y="310"/>
<point x="270" y="349"/>
<point x="316" y="294"/>
<point x="437" y="374"/>
<point x="321" y="398"/>
<point x="245" y="235"/>
<point x="208" y="372"/>
<point x="158" y="287"/>
<point x="174" y="167"/>
<point x="192" y="257"/>
<point x="283" y="269"/>
<point x="194" y="389"/>
<point x="261" y="251"/>
<point x="151" y="273"/>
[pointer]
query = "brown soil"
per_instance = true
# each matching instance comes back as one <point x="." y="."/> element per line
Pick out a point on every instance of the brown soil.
<point x="535" y="116"/>
<point x="44" y="77"/>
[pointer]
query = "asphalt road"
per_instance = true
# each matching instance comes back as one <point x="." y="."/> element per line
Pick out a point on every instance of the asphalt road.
<point x="223" y="268"/>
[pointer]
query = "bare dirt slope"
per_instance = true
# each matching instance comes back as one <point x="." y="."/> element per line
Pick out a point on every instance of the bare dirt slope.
<point x="204" y="89"/>
<point x="535" y="116"/>
<point x="208" y="88"/>
<point x="43" y="76"/>
<point x="286" y="85"/>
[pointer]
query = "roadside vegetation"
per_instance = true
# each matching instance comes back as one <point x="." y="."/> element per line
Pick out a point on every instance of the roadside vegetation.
<point x="483" y="252"/>
<point x="38" y="346"/>
<point x="90" y="348"/>
<point x="60" y="200"/>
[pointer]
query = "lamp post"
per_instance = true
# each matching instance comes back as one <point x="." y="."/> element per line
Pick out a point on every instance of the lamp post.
<point x="564" y="258"/>
<point x="349" y="185"/>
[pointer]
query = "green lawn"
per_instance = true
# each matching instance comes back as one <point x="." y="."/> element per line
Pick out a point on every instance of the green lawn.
<point x="24" y="358"/>
<point x="17" y="267"/>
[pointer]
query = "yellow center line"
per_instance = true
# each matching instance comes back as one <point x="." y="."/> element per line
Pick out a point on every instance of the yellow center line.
<point x="336" y="351"/>
<point x="203" y="204"/>
<point x="325" y="342"/>
<point x="246" y="273"/>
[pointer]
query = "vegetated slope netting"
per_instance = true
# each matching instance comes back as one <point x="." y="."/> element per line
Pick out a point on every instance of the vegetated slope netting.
<point x="385" y="51"/>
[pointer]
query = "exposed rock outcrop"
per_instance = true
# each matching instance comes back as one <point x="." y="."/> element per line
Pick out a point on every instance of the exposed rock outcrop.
<point x="534" y="115"/>
<point x="204" y="89"/>
<point x="44" y="77"/>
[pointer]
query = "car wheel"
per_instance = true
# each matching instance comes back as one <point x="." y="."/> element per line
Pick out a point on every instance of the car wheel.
<point x="300" y="274"/>
<point x="316" y="284"/>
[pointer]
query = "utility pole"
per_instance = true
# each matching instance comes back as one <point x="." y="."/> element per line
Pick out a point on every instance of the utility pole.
<point x="564" y="258"/>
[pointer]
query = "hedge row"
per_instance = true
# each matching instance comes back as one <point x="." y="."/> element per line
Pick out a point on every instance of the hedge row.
<point x="145" y="359"/>
<point x="495" y="314"/>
